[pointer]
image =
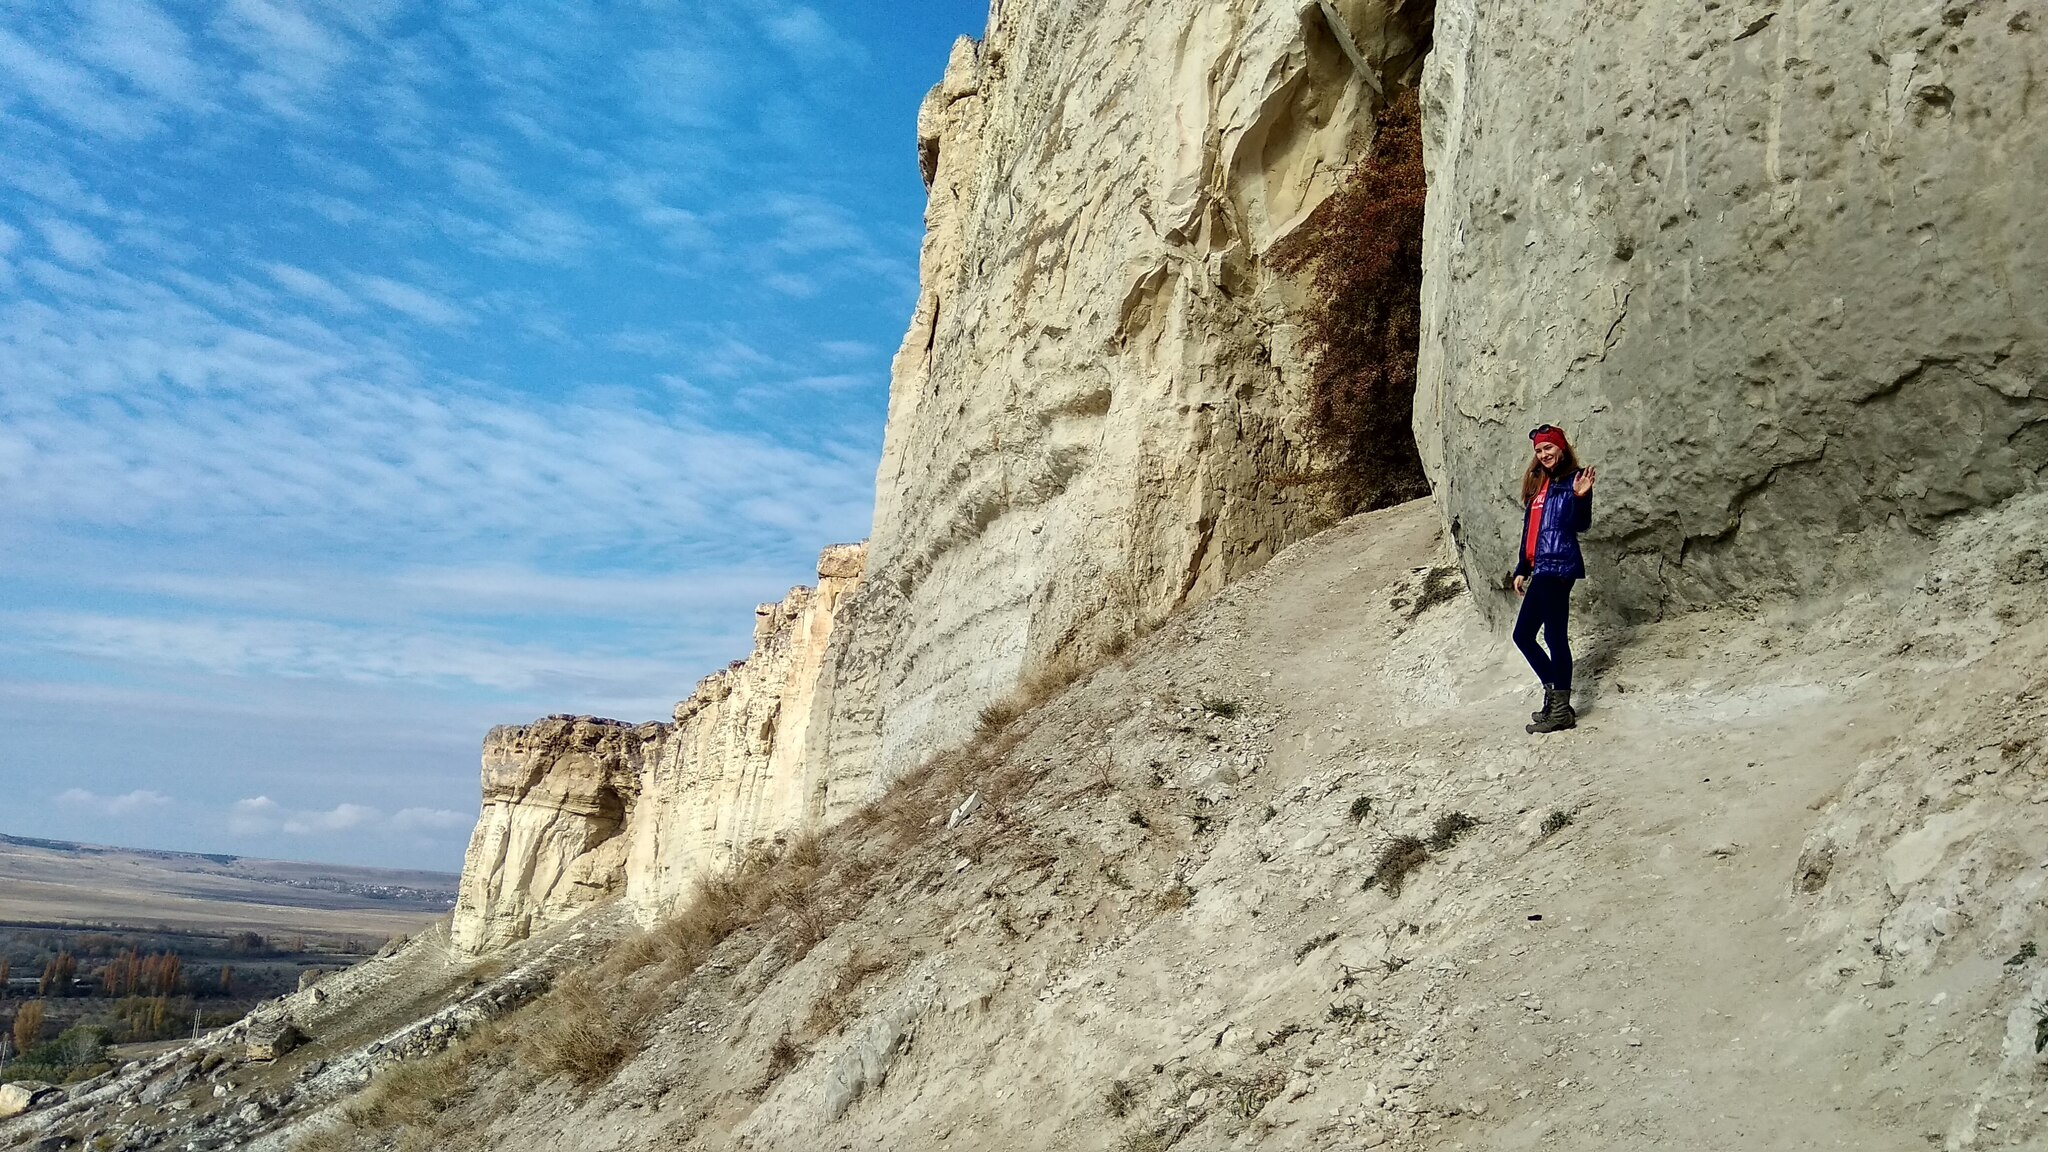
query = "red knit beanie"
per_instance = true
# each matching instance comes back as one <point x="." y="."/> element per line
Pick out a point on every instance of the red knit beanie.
<point x="1549" y="435"/>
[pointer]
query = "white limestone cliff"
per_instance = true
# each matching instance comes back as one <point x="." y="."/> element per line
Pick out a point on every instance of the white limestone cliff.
<point x="1096" y="417"/>
<point x="557" y="795"/>
<point x="733" y="770"/>
<point x="579" y="810"/>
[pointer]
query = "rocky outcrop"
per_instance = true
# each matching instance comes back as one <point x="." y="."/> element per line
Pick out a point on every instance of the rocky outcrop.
<point x="579" y="810"/>
<point x="557" y="794"/>
<point x="24" y="1095"/>
<point x="1775" y="267"/>
<point x="1096" y="416"/>
<point x="733" y="770"/>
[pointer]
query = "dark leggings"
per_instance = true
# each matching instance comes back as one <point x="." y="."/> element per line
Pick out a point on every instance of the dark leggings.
<point x="1547" y="606"/>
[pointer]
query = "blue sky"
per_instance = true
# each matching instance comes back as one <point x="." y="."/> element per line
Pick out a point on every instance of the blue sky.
<point x="374" y="373"/>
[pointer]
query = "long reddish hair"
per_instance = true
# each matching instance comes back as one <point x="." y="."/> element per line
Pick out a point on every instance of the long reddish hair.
<point x="1537" y="476"/>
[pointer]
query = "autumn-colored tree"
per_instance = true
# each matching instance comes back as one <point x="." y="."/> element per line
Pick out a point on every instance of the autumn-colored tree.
<point x="57" y="975"/>
<point x="1362" y="250"/>
<point x="28" y="1025"/>
<point x="227" y="980"/>
<point x="158" y="974"/>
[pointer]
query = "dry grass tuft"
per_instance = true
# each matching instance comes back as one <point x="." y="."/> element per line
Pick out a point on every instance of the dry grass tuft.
<point x="835" y="1004"/>
<point x="1448" y="827"/>
<point x="1177" y="897"/>
<point x="579" y="1031"/>
<point x="994" y="732"/>
<point x="783" y="1057"/>
<point x="1440" y="585"/>
<point x="417" y="1105"/>
<point x="1247" y="1096"/>
<point x="1156" y="1137"/>
<point x="1311" y="944"/>
<point x="1120" y="1099"/>
<point x="1398" y="860"/>
<point x="805" y="851"/>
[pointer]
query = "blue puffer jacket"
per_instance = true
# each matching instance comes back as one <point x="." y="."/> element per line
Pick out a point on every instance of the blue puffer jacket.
<point x="1565" y="515"/>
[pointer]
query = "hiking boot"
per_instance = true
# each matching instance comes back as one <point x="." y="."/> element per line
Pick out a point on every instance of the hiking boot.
<point x="1559" y="716"/>
<point x="1549" y="702"/>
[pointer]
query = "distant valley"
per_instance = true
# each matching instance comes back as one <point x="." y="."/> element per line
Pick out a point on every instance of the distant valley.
<point x="128" y="946"/>
<point x="56" y="883"/>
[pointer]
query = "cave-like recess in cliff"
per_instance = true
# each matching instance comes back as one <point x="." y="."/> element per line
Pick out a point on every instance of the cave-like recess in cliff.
<point x="1361" y="256"/>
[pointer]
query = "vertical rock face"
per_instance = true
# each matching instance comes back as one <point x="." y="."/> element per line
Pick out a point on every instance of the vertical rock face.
<point x="579" y="810"/>
<point x="1777" y="267"/>
<point x="557" y="795"/>
<point x="1095" y="417"/>
<point x="733" y="769"/>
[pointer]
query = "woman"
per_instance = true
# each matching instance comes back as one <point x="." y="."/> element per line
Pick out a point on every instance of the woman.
<point x="1557" y="505"/>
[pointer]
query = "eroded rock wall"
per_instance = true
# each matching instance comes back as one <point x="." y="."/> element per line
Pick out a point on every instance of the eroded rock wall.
<point x="733" y="770"/>
<point x="557" y="797"/>
<point x="1776" y="267"/>
<point x="1096" y="415"/>
<point x="579" y="810"/>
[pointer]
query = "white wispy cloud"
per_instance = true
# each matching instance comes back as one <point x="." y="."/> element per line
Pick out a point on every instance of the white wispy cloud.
<point x="413" y="301"/>
<point x="288" y="648"/>
<point x="432" y="820"/>
<point x="440" y="364"/>
<point x="290" y="55"/>
<point x="72" y="244"/>
<point x="137" y="41"/>
<point x="804" y="32"/>
<point x="69" y="92"/>
<point x="260" y="816"/>
<point x="125" y="804"/>
<point x="343" y="437"/>
<point x="313" y="287"/>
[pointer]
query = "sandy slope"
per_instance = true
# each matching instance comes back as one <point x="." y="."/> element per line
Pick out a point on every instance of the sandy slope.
<point x="1803" y="843"/>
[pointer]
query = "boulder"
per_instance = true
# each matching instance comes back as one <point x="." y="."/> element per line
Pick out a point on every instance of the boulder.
<point x="273" y="1037"/>
<point x="23" y="1095"/>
